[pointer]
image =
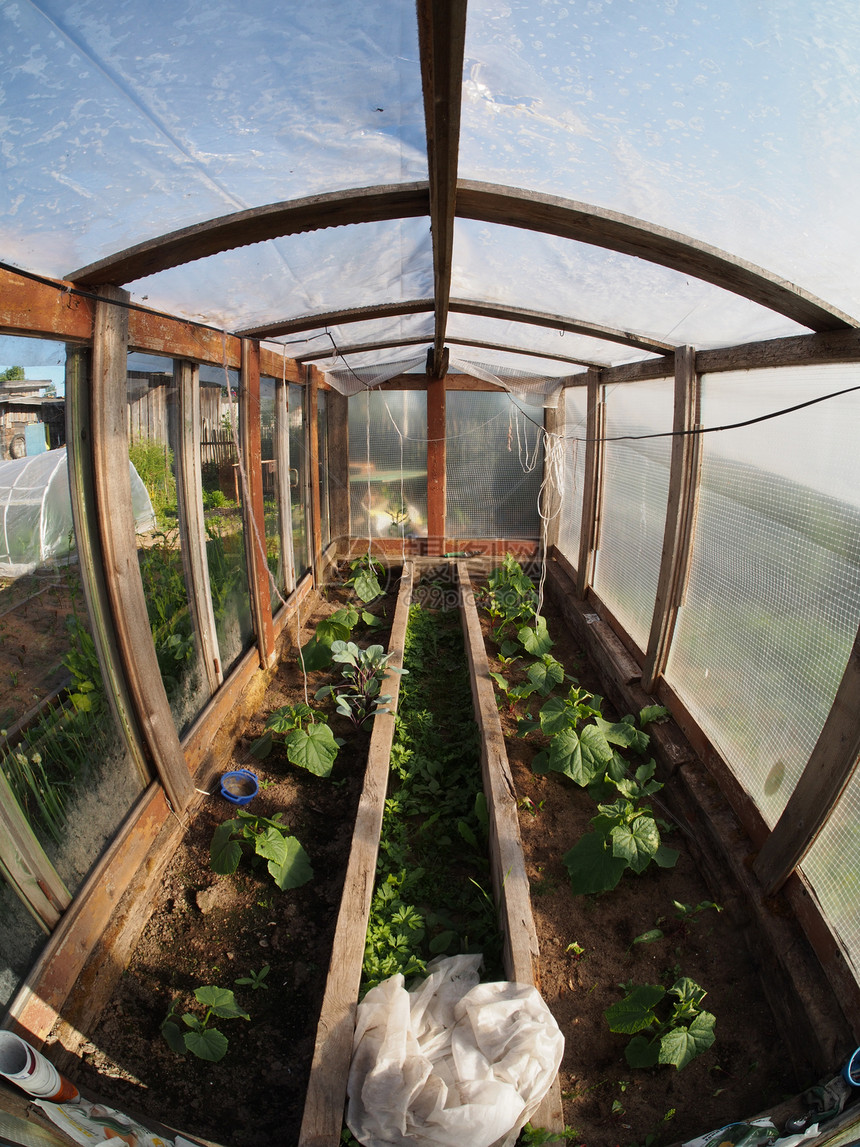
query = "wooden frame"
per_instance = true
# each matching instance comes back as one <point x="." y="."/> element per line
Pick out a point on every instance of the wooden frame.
<point x="313" y="458"/>
<point x="191" y="520"/>
<point x="115" y="523"/>
<point x="680" y="516"/>
<point x="251" y="470"/>
<point x="437" y="483"/>
<point x="338" y="466"/>
<point x="282" y="483"/>
<point x="592" y="490"/>
<point x="25" y="865"/>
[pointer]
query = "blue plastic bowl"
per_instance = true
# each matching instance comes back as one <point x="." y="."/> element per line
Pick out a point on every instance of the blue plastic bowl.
<point x="851" y="1070"/>
<point x="240" y="786"/>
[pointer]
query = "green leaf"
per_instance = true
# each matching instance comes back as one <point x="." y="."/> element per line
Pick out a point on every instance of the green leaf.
<point x="316" y="655"/>
<point x="221" y="1001"/>
<point x="554" y="716"/>
<point x="642" y="1052"/>
<point x="313" y="749"/>
<point x="636" y="1011"/>
<point x="262" y="746"/>
<point x="649" y="937"/>
<point x="592" y="866"/>
<point x="209" y="1044"/>
<point x="546" y="674"/>
<point x="537" y="640"/>
<point x="682" y="1044"/>
<point x="224" y="853"/>
<point x="636" y="842"/>
<point x="653" y="713"/>
<point x="174" y="1036"/>
<point x="366" y="585"/>
<point x="442" y="942"/>
<point x="467" y="834"/>
<point x="618" y="733"/>
<point x="294" y="869"/>
<point x="666" y="857"/>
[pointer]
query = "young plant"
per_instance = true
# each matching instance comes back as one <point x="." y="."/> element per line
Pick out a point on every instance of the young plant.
<point x="202" y="1040"/>
<point x="316" y="653"/>
<point x="364" y="578"/>
<point x="667" y="1027"/>
<point x="288" y="862"/>
<point x="309" y="741"/>
<point x="254" y="980"/>
<point x="510" y="597"/>
<point x="685" y="917"/>
<point x="358" y="696"/>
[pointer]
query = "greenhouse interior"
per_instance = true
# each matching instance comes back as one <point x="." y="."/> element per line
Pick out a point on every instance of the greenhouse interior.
<point x="430" y="493"/>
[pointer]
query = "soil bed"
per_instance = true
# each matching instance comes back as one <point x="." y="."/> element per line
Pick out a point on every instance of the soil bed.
<point x="606" y="1102"/>
<point x="208" y="929"/>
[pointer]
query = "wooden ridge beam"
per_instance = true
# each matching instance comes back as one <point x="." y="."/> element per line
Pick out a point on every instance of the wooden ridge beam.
<point x="442" y="39"/>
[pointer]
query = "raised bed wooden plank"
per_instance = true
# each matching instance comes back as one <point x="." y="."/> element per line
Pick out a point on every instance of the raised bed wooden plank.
<point x="510" y="882"/>
<point x="322" y="1121"/>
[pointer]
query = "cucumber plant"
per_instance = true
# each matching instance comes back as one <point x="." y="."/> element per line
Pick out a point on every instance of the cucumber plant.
<point x="668" y="1027"/>
<point x="358" y="696"/>
<point x="203" y="1040"/>
<point x="304" y="732"/>
<point x="265" y="837"/>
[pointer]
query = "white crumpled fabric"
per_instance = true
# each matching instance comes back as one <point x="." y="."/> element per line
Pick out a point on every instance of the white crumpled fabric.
<point x="452" y="1062"/>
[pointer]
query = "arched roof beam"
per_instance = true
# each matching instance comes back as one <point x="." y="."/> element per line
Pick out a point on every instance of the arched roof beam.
<point x="458" y="306"/>
<point x="442" y="39"/>
<point x="485" y="202"/>
<point x="392" y="344"/>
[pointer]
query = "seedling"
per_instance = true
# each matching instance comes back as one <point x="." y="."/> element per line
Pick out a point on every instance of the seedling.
<point x="364" y="578"/>
<point x="288" y="862"/>
<point x="538" y="1136"/>
<point x="309" y="741"/>
<point x="254" y="979"/>
<point x="685" y="916"/>
<point x="676" y="1037"/>
<point x="202" y="1040"/>
<point x="576" y="950"/>
<point x="358" y="697"/>
<point x="316" y="653"/>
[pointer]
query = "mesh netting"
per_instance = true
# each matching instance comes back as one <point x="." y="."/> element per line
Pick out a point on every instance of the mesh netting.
<point x="494" y="467"/>
<point x="831" y="867"/>
<point x="570" y="518"/>
<point x="388" y="464"/>
<point x="773" y="599"/>
<point x="635" y="490"/>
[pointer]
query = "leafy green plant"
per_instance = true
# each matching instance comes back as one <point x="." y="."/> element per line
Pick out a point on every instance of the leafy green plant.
<point x="254" y="979"/>
<point x="338" y="626"/>
<point x="309" y="741"/>
<point x="668" y="1027"/>
<point x="203" y="1040"/>
<point x="685" y="917"/>
<point x="510" y="597"/>
<point x="288" y="863"/>
<point x="359" y="694"/>
<point x="538" y="1136"/>
<point x="364" y="577"/>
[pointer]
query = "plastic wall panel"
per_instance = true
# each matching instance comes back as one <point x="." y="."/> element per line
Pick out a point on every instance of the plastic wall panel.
<point x="575" y="401"/>
<point x="774" y="592"/>
<point x="494" y="466"/>
<point x="833" y="868"/>
<point x="635" y="492"/>
<point x="298" y="480"/>
<point x="388" y="464"/>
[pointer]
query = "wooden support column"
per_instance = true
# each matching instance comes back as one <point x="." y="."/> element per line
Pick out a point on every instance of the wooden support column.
<point x="592" y="489"/>
<point x="828" y="771"/>
<point x="192" y="523"/>
<point x="553" y="421"/>
<point x="25" y="866"/>
<point x="115" y="524"/>
<point x="680" y="516"/>
<point x="313" y="455"/>
<point x="338" y="468"/>
<point x="282" y="482"/>
<point x="252" y="502"/>
<point x="436" y="476"/>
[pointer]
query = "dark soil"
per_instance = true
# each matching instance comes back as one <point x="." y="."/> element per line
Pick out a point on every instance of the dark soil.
<point x="209" y="929"/>
<point x="606" y="1102"/>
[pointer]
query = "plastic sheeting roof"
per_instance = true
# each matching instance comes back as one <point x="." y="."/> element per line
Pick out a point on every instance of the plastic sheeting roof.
<point x="732" y="122"/>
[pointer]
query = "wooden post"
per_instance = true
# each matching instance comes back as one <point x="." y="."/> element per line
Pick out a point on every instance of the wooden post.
<point x="338" y="468"/>
<point x="680" y="516"/>
<point x="192" y="524"/>
<point x="313" y="456"/>
<point x="828" y="771"/>
<point x="91" y="560"/>
<point x="436" y="477"/>
<point x="25" y="866"/>
<point x="553" y="421"/>
<point x="282" y="482"/>
<point x="115" y="523"/>
<point x="254" y="514"/>
<point x="592" y="489"/>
